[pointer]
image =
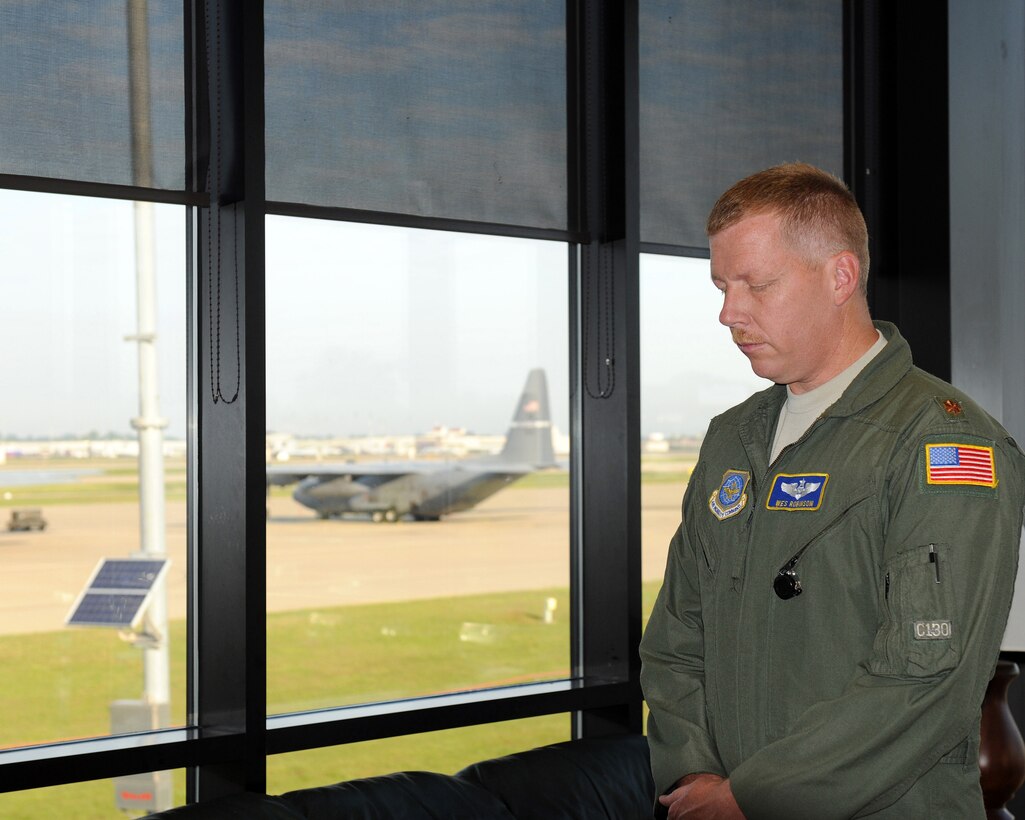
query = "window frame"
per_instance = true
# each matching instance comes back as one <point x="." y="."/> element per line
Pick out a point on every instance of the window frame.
<point x="229" y="733"/>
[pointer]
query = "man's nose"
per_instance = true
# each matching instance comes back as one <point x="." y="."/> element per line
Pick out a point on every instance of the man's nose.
<point x="732" y="311"/>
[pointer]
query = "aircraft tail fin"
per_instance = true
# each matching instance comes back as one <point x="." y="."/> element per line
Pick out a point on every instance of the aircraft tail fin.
<point x="529" y="440"/>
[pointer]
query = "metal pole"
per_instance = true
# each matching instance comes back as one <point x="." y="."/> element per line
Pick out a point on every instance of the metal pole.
<point x="149" y="422"/>
<point x="150" y="426"/>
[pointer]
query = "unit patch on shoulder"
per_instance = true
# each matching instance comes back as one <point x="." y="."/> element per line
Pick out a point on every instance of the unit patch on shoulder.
<point x="730" y="498"/>
<point x="957" y="464"/>
<point x="802" y="491"/>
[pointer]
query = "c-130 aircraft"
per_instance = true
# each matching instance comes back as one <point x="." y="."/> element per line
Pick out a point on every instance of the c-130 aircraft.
<point x="427" y="490"/>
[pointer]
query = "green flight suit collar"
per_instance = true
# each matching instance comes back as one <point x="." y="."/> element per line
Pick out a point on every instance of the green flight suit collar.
<point x="879" y="376"/>
<point x="871" y="384"/>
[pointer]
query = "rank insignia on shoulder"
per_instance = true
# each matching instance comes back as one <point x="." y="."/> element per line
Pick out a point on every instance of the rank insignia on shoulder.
<point x="730" y="498"/>
<point x="952" y="408"/>
<point x="960" y="465"/>
<point x="802" y="491"/>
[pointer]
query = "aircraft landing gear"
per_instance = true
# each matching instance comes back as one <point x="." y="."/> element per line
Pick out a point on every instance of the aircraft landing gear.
<point x="389" y="515"/>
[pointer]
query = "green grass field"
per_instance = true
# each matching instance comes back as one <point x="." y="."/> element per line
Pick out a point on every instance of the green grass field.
<point x="66" y="680"/>
<point x="60" y="685"/>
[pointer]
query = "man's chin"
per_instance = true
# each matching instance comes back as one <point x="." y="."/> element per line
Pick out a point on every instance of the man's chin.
<point x="763" y="370"/>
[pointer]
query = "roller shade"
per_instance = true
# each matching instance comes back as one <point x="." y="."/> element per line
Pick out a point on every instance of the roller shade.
<point x="64" y="99"/>
<point x="728" y="88"/>
<point x="426" y="107"/>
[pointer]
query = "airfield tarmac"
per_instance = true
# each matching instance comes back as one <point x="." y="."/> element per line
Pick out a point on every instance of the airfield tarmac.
<point x="515" y="540"/>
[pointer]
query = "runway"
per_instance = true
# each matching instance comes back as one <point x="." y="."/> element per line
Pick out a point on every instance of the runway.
<point x="517" y="539"/>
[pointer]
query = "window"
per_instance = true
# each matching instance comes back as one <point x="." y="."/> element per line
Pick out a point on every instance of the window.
<point x="87" y="422"/>
<point x="70" y="451"/>
<point x="690" y="372"/>
<point x="418" y="516"/>
<point x="128" y="796"/>
<point x="447" y="751"/>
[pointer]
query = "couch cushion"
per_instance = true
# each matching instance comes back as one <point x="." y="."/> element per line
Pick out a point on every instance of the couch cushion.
<point x="399" y="796"/>
<point x="592" y="778"/>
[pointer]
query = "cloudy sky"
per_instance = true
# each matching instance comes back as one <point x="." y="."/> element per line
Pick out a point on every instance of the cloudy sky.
<point x="370" y="329"/>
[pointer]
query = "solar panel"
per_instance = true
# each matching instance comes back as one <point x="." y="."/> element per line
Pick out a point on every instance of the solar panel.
<point x="117" y="593"/>
<point x="128" y="573"/>
<point x="107" y="609"/>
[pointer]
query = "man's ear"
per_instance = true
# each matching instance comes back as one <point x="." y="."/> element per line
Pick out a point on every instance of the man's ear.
<point x="846" y="271"/>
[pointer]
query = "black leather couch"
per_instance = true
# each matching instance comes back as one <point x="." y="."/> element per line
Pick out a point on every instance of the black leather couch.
<point x="592" y="778"/>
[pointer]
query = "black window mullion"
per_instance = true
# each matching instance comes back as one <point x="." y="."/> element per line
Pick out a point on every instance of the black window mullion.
<point x="229" y="682"/>
<point x="606" y="569"/>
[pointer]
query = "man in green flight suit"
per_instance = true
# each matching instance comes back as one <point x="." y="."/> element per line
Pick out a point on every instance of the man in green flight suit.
<point x="835" y="596"/>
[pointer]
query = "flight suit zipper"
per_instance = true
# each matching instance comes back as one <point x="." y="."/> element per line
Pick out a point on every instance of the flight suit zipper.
<point x="740" y="572"/>
<point x="792" y="444"/>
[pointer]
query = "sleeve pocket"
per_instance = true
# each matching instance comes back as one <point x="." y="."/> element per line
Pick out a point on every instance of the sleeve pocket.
<point x="919" y="636"/>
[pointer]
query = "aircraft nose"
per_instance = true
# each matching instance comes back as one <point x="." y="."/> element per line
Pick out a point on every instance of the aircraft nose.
<point x="304" y="493"/>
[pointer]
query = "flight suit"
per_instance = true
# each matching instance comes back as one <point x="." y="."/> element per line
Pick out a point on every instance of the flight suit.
<point x="899" y="515"/>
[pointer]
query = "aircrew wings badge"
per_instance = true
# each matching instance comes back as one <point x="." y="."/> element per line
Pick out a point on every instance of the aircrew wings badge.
<point x="797" y="492"/>
<point x="730" y="498"/>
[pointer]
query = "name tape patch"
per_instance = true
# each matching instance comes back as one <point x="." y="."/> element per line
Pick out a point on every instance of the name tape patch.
<point x="953" y="464"/>
<point x="933" y="630"/>
<point x="731" y="497"/>
<point x="801" y="491"/>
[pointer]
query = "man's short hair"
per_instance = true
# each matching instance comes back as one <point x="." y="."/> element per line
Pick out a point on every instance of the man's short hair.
<point x="818" y="214"/>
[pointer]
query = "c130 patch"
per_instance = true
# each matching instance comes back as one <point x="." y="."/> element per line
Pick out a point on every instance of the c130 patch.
<point x="802" y="491"/>
<point x="730" y="498"/>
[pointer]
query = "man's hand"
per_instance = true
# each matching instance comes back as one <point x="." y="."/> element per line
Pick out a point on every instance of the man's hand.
<point x="702" y="797"/>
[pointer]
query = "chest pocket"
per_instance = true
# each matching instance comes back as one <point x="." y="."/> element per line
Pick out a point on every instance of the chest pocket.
<point x="708" y="552"/>
<point x="720" y="542"/>
<point x="804" y="534"/>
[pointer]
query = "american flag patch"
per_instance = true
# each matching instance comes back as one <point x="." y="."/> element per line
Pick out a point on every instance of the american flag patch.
<point x="960" y="464"/>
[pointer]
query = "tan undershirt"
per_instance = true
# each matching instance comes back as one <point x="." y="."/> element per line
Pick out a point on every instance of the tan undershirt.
<point x="800" y="411"/>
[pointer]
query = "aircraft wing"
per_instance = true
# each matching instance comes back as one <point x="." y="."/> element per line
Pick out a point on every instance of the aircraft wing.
<point x="289" y="474"/>
<point x="382" y="472"/>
